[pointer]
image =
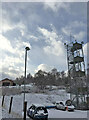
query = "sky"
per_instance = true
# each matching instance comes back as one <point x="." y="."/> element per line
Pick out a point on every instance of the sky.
<point x="44" y="27"/>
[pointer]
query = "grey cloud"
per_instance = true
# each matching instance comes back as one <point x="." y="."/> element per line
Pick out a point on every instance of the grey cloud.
<point x="23" y="19"/>
<point x="4" y="75"/>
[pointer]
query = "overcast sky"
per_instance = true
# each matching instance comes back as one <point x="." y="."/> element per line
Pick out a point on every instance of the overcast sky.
<point x="44" y="27"/>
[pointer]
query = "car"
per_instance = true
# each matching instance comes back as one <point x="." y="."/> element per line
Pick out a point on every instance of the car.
<point x="60" y="105"/>
<point x="37" y="112"/>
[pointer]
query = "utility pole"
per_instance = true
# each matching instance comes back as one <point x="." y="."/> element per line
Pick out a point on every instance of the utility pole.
<point x="26" y="49"/>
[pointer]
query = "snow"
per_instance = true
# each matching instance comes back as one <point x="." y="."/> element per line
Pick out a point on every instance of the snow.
<point x="40" y="111"/>
<point x="71" y="106"/>
<point x="66" y="114"/>
<point x="39" y="98"/>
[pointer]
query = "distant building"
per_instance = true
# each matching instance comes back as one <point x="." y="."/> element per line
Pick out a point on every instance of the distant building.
<point x="7" y="82"/>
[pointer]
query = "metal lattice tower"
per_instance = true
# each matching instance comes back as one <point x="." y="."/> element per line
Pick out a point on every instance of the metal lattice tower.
<point x="76" y="70"/>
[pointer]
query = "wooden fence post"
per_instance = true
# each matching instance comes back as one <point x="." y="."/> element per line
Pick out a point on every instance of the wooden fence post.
<point x="25" y="109"/>
<point x="3" y="100"/>
<point x="10" y="105"/>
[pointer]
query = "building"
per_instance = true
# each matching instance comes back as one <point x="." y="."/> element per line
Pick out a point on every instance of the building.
<point x="7" y="82"/>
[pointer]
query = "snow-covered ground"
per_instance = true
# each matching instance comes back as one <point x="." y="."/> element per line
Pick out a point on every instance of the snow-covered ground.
<point x="45" y="99"/>
<point x="66" y="114"/>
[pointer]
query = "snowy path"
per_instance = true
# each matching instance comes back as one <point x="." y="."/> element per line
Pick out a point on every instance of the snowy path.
<point x="5" y="114"/>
